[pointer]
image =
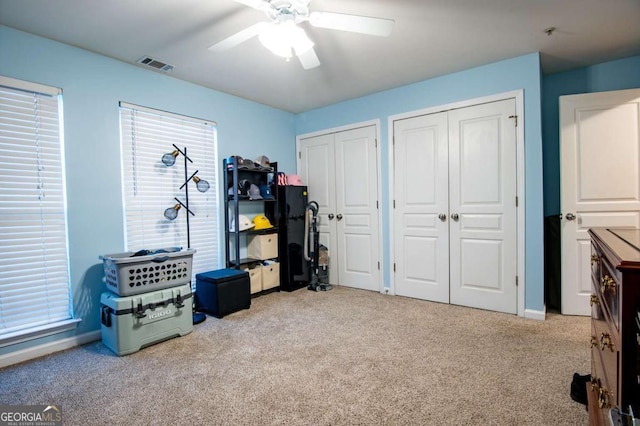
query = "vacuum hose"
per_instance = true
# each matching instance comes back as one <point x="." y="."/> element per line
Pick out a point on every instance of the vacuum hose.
<point x="310" y="210"/>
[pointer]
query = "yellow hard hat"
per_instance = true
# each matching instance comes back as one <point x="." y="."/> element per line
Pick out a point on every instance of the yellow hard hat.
<point x="261" y="222"/>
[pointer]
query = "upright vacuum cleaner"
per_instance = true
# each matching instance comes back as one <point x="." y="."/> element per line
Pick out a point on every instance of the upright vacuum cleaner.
<point x="311" y="242"/>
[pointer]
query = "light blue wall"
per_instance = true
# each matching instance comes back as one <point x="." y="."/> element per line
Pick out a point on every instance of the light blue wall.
<point x="92" y="87"/>
<point x="614" y="75"/>
<point x="513" y="74"/>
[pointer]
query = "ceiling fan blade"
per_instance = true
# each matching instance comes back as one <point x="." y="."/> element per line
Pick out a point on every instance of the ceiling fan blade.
<point x="353" y="23"/>
<point x="238" y="38"/>
<point x="256" y="4"/>
<point x="308" y="59"/>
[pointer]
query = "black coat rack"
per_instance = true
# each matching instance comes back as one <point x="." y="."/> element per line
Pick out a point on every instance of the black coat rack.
<point x="172" y="212"/>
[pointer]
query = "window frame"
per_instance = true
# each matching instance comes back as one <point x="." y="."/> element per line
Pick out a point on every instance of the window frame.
<point x="169" y="179"/>
<point x="16" y="130"/>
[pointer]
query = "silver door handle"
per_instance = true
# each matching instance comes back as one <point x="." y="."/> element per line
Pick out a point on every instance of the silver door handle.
<point x="331" y="216"/>
<point x="339" y="217"/>
<point x="455" y="216"/>
<point x="442" y="217"/>
<point x="570" y="216"/>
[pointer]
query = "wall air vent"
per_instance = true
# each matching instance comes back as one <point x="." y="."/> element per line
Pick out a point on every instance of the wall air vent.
<point x="155" y="64"/>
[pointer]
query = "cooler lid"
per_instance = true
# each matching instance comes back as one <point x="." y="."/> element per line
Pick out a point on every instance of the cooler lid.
<point x="158" y="297"/>
<point x="221" y="275"/>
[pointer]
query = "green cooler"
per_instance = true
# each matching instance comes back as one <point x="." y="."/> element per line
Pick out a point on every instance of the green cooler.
<point x="132" y="322"/>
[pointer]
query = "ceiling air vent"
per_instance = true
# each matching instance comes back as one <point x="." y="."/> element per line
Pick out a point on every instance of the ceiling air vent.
<point x="155" y="64"/>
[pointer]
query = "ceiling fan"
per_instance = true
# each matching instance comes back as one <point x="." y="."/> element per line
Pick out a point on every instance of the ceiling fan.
<point x="282" y="35"/>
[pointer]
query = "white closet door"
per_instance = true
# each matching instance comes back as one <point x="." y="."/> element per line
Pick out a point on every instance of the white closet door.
<point x="316" y="168"/>
<point x="421" y="214"/>
<point x="482" y="206"/>
<point x="340" y="170"/>
<point x="356" y="208"/>
<point x="600" y="175"/>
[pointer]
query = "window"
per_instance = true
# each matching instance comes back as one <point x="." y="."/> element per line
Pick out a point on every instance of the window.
<point x="150" y="187"/>
<point x="34" y="268"/>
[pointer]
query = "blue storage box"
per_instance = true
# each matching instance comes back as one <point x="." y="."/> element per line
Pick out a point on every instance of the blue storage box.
<point x="223" y="291"/>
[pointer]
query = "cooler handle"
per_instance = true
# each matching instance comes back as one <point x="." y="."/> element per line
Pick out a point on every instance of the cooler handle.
<point x="140" y="311"/>
<point x="105" y="316"/>
<point x="179" y="303"/>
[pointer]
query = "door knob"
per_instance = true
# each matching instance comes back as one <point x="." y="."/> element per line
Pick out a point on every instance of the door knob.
<point x="442" y="217"/>
<point x="455" y="216"/>
<point x="331" y="216"/>
<point x="570" y="216"/>
<point x="339" y="217"/>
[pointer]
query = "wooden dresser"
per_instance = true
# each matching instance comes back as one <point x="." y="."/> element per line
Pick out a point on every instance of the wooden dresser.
<point x="615" y="322"/>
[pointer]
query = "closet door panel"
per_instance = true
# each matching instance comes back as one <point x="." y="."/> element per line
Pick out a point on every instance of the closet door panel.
<point x="482" y="196"/>
<point x="356" y="206"/>
<point x="317" y="170"/>
<point x="421" y="191"/>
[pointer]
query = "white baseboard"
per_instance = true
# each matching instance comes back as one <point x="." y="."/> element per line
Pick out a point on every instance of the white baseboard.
<point x="48" y="348"/>
<point x="536" y="315"/>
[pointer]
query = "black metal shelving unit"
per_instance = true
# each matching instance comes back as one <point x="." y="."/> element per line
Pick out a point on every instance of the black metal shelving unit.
<point x="233" y="203"/>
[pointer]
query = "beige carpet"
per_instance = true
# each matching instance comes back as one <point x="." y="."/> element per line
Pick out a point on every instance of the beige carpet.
<point x="344" y="357"/>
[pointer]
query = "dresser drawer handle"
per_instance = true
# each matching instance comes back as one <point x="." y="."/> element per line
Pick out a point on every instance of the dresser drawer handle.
<point x="604" y="398"/>
<point x="605" y="341"/>
<point x="595" y="384"/>
<point x="607" y="282"/>
<point x="594" y="259"/>
<point x="593" y="300"/>
<point x="594" y="341"/>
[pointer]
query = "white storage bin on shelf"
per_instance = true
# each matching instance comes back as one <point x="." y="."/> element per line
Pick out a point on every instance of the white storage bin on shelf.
<point x="270" y="275"/>
<point x="126" y="274"/>
<point x="255" y="277"/>
<point x="262" y="247"/>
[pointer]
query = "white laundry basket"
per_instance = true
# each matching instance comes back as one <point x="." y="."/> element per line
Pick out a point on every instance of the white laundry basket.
<point x="126" y="274"/>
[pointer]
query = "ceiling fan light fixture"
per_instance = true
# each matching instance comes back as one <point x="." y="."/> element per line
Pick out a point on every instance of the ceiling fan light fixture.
<point x="282" y="38"/>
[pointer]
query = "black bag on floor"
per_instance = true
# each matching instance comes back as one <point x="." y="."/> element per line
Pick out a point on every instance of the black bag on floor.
<point x="579" y="388"/>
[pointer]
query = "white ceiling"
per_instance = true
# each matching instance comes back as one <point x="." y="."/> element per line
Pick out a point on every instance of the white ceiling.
<point x="430" y="38"/>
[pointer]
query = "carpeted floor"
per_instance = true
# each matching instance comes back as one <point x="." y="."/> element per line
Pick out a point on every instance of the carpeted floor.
<point x="344" y="357"/>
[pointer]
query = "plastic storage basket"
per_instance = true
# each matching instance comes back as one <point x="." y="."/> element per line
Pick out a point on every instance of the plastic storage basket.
<point x="127" y="275"/>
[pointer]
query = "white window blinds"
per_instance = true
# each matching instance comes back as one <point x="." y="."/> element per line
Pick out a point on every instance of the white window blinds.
<point x="34" y="267"/>
<point x="150" y="187"/>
